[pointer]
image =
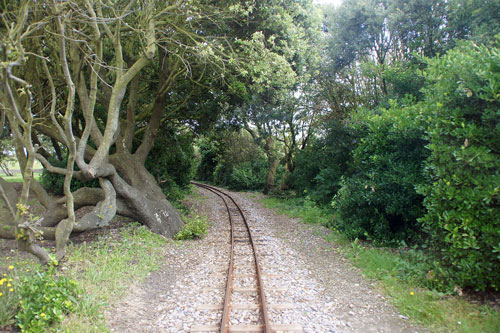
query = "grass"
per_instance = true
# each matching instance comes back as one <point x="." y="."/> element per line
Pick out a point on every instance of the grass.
<point x="13" y="164"/>
<point x="301" y="208"/>
<point x="437" y="311"/>
<point x="104" y="269"/>
<point x="18" y="178"/>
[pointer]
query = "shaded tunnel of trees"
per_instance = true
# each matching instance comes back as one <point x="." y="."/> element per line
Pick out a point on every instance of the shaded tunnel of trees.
<point x="386" y="113"/>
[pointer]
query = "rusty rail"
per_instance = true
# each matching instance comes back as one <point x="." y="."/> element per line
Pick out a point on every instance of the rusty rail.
<point x="229" y="283"/>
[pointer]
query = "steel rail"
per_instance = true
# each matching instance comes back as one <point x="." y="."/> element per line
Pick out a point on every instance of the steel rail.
<point x="229" y="287"/>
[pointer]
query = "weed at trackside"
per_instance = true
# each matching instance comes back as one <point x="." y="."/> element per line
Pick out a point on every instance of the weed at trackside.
<point x="195" y="227"/>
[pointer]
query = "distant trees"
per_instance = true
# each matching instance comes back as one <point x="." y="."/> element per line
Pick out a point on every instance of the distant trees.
<point x="279" y="115"/>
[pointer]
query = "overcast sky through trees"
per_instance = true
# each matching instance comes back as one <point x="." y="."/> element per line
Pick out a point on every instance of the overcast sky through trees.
<point x="329" y="2"/>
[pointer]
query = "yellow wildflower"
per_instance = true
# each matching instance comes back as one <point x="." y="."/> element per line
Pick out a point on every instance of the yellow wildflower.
<point x="10" y="280"/>
<point x="42" y="315"/>
<point x="2" y="281"/>
<point x="412" y="293"/>
<point x="1" y="294"/>
<point x="9" y="285"/>
<point x="27" y="270"/>
<point x="11" y="289"/>
<point x="11" y="267"/>
<point x="4" y="274"/>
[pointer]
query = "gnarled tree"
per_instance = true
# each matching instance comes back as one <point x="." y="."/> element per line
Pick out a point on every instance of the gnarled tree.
<point x="99" y="78"/>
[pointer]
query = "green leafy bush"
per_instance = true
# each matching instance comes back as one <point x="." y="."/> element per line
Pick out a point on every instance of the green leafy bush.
<point x="463" y="171"/>
<point x="172" y="162"/>
<point x="44" y="299"/>
<point x="208" y="150"/>
<point x="249" y="175"/>
<point x="379" y="201"/>
<point x="237" y="162"/>
<point x="404" y="79"/>
<point x="54" y="182"/>
<point x="195" y="227"/>
<point x="319" y="167"/>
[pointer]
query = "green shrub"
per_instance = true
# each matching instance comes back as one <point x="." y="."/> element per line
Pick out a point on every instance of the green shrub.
<point x="463" y="171"/>
<point x="195" y="227"/>
<point x="240" y="163"/>
<point x="208" y="150"/>
<point x="249" y="175"/>
<point x="172" y="162"/>
<point x="320" y="166"/>
<point x="404" y="79"/>
<point x="44" y="299"/>
<point x="54" y="183"/>
<point x="379" y="201"/>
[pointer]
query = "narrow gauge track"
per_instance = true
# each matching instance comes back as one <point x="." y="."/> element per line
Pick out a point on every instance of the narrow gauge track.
<point x="241" y="237"/>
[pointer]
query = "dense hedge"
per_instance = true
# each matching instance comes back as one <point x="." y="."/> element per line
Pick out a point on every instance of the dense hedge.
<point x="319" y="167"/>
<point x="248" y="175"/>
<point x="379" y="201"/>
<point x="54" y="183"/>
<point x="172" y="162"/>
<point x="463" y="172"/>
<point x="233" y="160"/>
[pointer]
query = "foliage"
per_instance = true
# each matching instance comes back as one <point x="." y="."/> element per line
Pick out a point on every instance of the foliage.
<point x="208" y="151"/>
<point x="172" y="162"/>
<point x="233" y="160"/>
<point x="105" y="269"/>
<point x="45" y="299"/>
<point x="477" y="20"/>
<point x="379" y="201"/>
<point x="195" y="227"/>
<point x="54" y="182"/>
<point x="404" y="79"/>
<point x="249" y="175"/>
<point x="463" y="171"/>
<point x="319" y="167"/>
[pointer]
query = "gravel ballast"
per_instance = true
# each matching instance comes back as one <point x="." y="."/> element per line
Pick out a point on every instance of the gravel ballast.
<point x="299" y="266"/>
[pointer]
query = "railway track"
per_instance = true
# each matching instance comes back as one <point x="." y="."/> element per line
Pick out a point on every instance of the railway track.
<point x="244" y="307"/>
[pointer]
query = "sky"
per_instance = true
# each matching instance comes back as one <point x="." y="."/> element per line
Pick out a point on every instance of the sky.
<point x="322" y="2"/>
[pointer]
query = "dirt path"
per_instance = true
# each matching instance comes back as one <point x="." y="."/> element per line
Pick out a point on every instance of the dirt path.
<point x="328" y="293"/>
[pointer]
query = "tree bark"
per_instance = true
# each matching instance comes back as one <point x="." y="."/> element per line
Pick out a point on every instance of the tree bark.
<point x="273" y="161"/>
<point x="271" y="175"/>
<point x="143" y="196"/>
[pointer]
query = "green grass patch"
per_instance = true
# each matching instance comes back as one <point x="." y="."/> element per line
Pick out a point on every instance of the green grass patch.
<point x="18" y="178"/>
<point x="106" y="269"/>
<point x="399" y="274"/>
<point x="103" y="270"/>
<point x="13" y="164"/>
<point x="301" y="208"/>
